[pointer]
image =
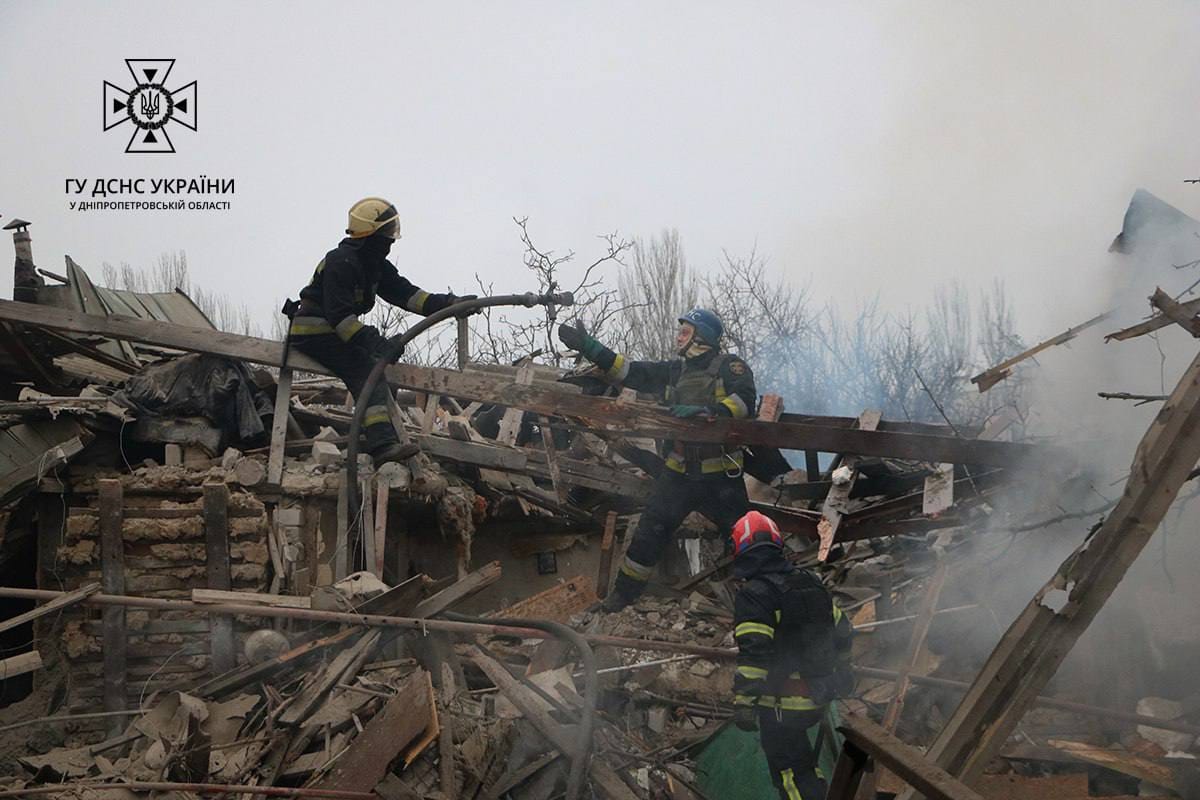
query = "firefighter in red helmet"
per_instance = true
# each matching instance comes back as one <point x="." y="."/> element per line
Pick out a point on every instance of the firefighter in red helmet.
<point x="793" y="654"/>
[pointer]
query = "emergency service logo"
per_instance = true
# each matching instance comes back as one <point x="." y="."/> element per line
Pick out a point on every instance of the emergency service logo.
<point x="149" y="105"/>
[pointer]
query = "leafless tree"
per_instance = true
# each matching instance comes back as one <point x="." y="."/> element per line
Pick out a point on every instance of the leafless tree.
<point x="655" y="289"/>
<point x="169" y="274"/>
<point x="506" y="336"/>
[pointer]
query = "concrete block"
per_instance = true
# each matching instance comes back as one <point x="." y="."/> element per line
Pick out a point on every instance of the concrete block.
<point x="174" y="455"/>
<point x="291" y="516"/>
<point x="326" y="453"/>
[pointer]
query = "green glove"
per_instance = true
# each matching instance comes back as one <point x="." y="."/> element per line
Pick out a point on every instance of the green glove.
<point x="685" y="411"/>
<point x="746" y="718"/>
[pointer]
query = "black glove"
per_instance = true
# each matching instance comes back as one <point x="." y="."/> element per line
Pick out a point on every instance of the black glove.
<point x="572" y="337"/>
<point x="746" y="718"/>
<point x="369" y="339"/>
<point x="387" y="343"/>
<point x="456" y="299"/>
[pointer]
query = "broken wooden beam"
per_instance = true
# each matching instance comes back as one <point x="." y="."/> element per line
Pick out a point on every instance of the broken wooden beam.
<point x="69" y="599"/>
<point x="370" y="756"/>
<point x="990" y="377"/>
<point x="1176" y="312"/>
<point x="792" y="432"/>
<point x="1036" y="643"/>
<point x="19" y="664"/>
<point x="1153" y="324"/>
<point x="905" y="761"/>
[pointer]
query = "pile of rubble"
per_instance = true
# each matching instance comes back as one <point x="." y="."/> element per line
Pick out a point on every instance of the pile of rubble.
<point x="199" y="599"/>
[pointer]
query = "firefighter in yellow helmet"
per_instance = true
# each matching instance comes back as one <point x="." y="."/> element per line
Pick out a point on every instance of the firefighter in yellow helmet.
<point x="326" y="325"/>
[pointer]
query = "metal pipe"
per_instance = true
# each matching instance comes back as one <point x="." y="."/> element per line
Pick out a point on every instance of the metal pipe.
<point x="392" y="351"/>
<point x="591" y="692"/>
<point x="369" y="620"/>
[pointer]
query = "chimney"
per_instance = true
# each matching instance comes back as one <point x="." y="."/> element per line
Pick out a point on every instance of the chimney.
<point x="26" y="281"/>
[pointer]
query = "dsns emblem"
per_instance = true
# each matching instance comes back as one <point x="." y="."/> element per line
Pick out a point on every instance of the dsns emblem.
<point x="149" y="105"/>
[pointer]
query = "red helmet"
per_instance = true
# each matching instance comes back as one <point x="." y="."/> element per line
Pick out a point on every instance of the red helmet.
<point x="754" y="530"/>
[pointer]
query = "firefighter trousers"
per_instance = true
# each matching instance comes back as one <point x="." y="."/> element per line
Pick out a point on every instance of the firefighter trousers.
<point x="352" y="365"/>
<point x="719" y="497"/>
<point x="790" y="755"/>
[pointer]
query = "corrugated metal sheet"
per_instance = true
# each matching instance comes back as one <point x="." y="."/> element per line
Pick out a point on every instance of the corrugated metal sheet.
<point x="27" y="452"/>
<point x="80" y="294"/>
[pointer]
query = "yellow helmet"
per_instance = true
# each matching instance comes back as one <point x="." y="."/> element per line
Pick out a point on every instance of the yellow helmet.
<point x="373" y="215"/>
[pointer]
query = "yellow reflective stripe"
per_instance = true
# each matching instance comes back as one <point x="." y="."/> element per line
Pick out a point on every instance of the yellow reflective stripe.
<point x="789" y="785"/>
<point x="736" y="406"/>
<point x="639" y="572"/>
<point x="347" y="328"/>
<point x="778" y="615"/>
<point x="708" y="466"/>
<point x="797" y="704"/>
<point x="309" y="326"/>
<point x="752" y="673"/>
<point x="837" y="614"/>
<point x="376" y="415"/>
<point x="619" y="369"/>
<point x="416" y="303"/>
<point x="743" y="700"/>
<point x="748" y="628"/>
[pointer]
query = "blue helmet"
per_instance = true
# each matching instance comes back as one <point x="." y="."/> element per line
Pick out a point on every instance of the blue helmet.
<point x="707" y="324"/>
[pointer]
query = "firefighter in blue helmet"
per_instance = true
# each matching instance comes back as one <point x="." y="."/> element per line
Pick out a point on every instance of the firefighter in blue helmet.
<point x="707" y="478"/>
<point x="325" y="323"/>
<point x="793" y="654"/>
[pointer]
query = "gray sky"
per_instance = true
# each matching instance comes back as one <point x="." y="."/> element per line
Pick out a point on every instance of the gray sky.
<point x="865" y="147"/>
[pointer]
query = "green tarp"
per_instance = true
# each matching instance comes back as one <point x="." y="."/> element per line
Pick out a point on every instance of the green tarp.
<point x="732" y="765"/>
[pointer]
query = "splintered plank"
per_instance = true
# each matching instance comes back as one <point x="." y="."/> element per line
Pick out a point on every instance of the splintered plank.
<point x="838" y="499"/>
<point x="69" y="599"/>
<point x="283" y="395"/>
<point x="370" y="756"/>
<point x="792" y="432"/>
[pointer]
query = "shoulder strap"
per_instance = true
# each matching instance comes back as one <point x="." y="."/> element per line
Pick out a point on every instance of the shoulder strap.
<point x="714" y="366"/>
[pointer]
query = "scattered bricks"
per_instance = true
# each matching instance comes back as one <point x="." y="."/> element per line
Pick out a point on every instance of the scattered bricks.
<point x="703" y="668"/>
<point x="326" y="453"/>
<point x="326" y="434"/>
<point x="174" y="455"/>
<point x="250" y="552"/>
<point x="291" y="516"/>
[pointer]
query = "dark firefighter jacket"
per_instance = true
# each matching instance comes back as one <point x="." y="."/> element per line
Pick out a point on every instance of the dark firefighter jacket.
<point x="345" y="285"/>
<point x="793" y="642"/>
<point x="721" y="382"/>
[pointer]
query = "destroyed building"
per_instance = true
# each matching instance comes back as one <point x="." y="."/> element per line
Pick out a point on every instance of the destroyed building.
<point x="196" y="599"/>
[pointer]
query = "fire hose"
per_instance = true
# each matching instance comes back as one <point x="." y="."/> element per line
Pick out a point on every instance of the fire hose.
<point x="391" y="353"/>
